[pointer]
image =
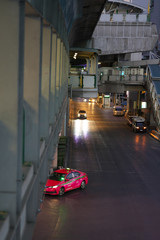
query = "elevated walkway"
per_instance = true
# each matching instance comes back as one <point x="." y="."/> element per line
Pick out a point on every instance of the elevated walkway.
<point x="114" y="80"/>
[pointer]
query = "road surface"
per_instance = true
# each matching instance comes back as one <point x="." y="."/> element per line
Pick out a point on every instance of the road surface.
<point x="122" y="198"/>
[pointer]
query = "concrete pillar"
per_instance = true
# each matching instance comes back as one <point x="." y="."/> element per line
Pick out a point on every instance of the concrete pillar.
<point x="61" y="72"/>
<point x="93" y="65"/>
<point x="97" y="72"/>
<point x="63" y="58"/>
<point x="32" y="86"/>
<point x="45" y="84"/>
<point x="64" y="77"/>
<point x="11" y="105"/>
<point x="132" y="102"/>
<point x="114" y="98"/>
<point x="139" y="103"/>
<point x="65" y="72"/>
<point x="58" y="57"/>
<point x="88" y="63"/>
<point x="52" y="97"/>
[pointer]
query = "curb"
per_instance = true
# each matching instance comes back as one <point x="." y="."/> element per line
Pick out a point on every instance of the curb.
<point x="155" y="134"/>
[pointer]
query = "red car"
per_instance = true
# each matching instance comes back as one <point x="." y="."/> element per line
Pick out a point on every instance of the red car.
<point x="65" y="179"/>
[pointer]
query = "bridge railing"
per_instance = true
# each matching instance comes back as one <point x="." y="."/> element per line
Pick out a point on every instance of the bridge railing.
<point x="141" y="18"/>
<point x="123" y="78"/>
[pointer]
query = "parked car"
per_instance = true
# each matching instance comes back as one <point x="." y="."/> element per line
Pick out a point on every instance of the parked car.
<point x="65" y="179"/>
<point x="82" y="114"/>
<point x="139" y="124"/>
<point x="118" y="111"/>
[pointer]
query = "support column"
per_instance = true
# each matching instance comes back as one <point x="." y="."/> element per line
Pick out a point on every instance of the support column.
<point x="61" y="73"/>
<point x="88" y="64"/>
<point x="52" y="96"/>
<point x="58" y="57"/>
<point x="44" y="112"/>
<point x="65" y="72"/>
<point x="93" y="67"/>
<point x="32" y="86"/>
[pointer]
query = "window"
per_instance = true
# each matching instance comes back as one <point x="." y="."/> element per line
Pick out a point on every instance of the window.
<point x="70" y="176"/>
<point x="77" y="174"/>
<point x="57" y="176"/>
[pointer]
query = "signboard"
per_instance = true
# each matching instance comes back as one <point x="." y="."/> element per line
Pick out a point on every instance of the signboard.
<point x="143" y="104"/>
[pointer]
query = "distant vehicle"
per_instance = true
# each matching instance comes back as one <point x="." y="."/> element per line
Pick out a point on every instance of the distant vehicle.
<point x="65" y="179"/>
<point x="93" y="100"/>
<point x="118" y="111"/>
<point x="139" y="124"/>
<point x="82" y="114"/>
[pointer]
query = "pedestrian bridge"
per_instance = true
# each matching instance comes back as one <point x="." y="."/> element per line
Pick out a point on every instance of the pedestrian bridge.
<point x="118" y="80"/>
<point x="137" y="81"/>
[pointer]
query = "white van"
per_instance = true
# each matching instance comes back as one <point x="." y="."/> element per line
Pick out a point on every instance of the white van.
<point x="118" y="111"/>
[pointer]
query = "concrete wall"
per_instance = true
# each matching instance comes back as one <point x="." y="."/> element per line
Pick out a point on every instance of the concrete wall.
<point x="75" y="81"/>
<point x="115" y="38"/>
<point x="11" y="92"/>
<point x="33" y="108"/>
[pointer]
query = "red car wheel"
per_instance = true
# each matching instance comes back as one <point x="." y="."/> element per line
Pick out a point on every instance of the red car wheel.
<point x="61" y="191"/>
<point x="83" y="185"/>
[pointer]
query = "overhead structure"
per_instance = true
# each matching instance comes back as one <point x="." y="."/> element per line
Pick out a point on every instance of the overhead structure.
<point x="123" y="5"/>
<point x="83" y="27"/>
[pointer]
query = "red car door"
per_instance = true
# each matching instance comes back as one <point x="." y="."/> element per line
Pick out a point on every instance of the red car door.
<point x="76" y="179"/>
<point x="69" y="185"/>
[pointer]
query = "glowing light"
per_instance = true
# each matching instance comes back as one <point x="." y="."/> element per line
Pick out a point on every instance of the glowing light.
<point x="143" y="105"/>
<point x="81" y="128"/>
<point x="75" y="55"/>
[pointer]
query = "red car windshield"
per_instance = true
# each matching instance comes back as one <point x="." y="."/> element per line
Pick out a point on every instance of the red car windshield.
<point x="57" y="176"/>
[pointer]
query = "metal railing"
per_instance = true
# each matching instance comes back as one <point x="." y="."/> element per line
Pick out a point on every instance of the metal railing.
<point x="137" y="18"/>
<point x="123" y="78"/>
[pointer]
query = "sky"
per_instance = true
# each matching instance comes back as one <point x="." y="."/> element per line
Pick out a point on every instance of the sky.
<point x="142" y="3"/>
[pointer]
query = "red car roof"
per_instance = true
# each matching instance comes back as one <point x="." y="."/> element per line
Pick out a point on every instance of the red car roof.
<point x="64" y="170"/>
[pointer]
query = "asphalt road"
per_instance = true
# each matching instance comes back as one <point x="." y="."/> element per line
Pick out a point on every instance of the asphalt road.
<point x="122" y="198"/>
